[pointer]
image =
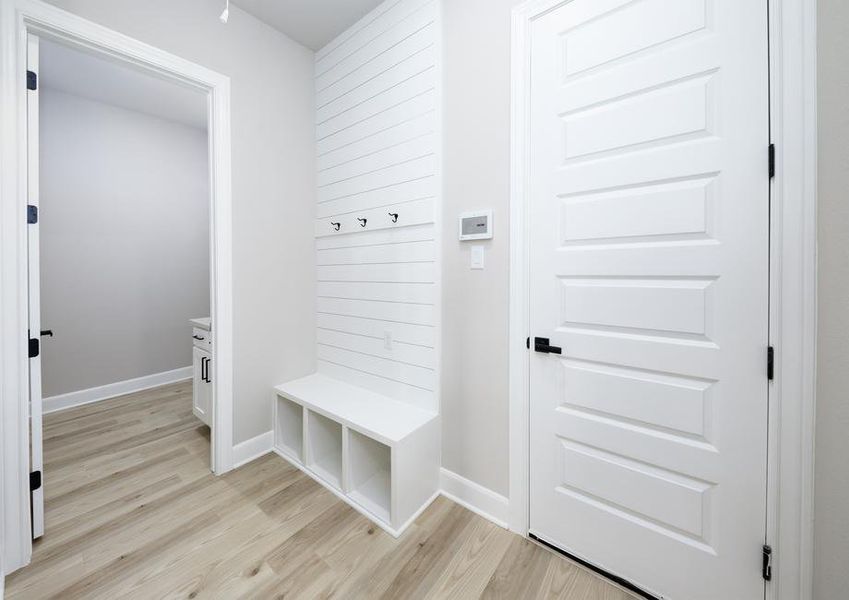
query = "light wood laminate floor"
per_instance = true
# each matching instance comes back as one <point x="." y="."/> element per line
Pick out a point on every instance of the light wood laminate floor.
<point x="132" y="511"/>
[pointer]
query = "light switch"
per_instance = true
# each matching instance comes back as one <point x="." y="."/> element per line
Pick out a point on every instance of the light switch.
<point x="477" y="257"/>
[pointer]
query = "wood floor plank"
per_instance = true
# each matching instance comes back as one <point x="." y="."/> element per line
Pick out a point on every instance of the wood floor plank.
<point x="132" y="511"/>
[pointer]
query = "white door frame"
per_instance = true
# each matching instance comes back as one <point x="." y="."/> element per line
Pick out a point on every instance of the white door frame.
<point x="793" y="67"/>
<point x="17" y="19"/>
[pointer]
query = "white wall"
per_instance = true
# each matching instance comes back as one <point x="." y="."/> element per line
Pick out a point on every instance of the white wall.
<point x="831" y="509"/>
<point x="376" y="129"/>
<point x="273" y="181"/>
<point x="124" y="223"/>
<point x="476" y="50"/>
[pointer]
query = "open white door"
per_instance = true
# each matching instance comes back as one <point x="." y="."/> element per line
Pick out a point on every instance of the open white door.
<point x="649" y="241"/>
<point x="36" y="451"/>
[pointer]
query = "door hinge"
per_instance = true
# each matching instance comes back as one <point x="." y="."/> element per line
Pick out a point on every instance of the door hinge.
<point x="34" y="481"/>
<point x="528" y="343"/>
<point x="770" y="363"/>
<point x="32" y="80"/>
<point x="771" y="161"/>
<point x="32" y="214"/>
<point x="33" y="347"/>
<point x="767" y="563"/>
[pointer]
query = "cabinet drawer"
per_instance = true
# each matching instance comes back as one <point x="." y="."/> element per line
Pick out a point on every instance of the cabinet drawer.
<point x="202" y="338"/>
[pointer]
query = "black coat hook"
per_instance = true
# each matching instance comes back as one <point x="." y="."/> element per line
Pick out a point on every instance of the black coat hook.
<point x="336" y="226"/>
<point x="362" y="221"/>
<point x="394" y="217"/>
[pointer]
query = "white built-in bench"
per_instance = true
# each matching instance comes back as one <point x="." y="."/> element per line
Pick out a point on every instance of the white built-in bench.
<point x="378" y="454"/>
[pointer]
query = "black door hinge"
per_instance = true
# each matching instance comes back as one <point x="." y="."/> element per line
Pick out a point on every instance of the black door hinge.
<point x="32" y="214"/>
<point x="32" y="80"/>
<point x="34" y="480"/>
<point x="33" y="347"/>
<point x="767" y="563"/>
<point x="770" y="363"/>
<point x="771" y="161"/>
<point x="528" y="343"/>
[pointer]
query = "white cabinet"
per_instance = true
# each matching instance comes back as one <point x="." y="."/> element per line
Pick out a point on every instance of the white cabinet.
<point x="202" y="385"/>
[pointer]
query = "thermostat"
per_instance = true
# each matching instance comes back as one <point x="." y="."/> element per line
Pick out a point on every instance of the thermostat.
<point x="476" y="225"/>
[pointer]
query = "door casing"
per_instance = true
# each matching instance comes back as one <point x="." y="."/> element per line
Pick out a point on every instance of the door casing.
<point x="792" y="310"/>
<point x="18" y="18"/>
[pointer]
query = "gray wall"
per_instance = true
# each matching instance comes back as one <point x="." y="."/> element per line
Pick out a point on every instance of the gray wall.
<point x="124" y="242"/>
<point x="273" y="172"/>
<point x="831" y="509"/>
<point x="476" y="172"/>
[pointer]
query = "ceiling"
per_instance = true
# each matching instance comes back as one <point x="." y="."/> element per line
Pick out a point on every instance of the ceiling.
<point x="110" y="81"/>
<point x="313" y="23"/>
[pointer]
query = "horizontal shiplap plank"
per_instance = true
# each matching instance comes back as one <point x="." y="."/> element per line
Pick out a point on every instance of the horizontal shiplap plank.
<point x="419" y="335"/>
<point x="398" y="273"/>
<point x="409" y="170"/>
<point x="422" y="146"/>
<point x="413" y="56"/>
<point x="384" y="237"/>
<point x="413" y="252"/>
<point x="383" y="42"/>
<point x="384" y="16"/>
<point x="404" y="353"/>
<point x="409" y="293"/>
<point x="394" y="389"/>
<point x="411" y="88"/>
<point x="401" y="372"/>
<point x="416" y="127"/>
<point x="414" y="314"/>
<point x="409" y="194"/>
<point x="376" y="124"/>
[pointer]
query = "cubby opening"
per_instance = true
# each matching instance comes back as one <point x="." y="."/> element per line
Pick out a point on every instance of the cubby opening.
<point x="325" y="448"/>
<point x="369" y="464"/>
<point x="290" y="428"/>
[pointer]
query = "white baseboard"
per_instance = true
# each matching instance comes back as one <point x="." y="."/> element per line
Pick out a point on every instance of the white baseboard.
<point x="475" y="497"/>
<point x="252" y="449"/>
<point x="119" y="388"/>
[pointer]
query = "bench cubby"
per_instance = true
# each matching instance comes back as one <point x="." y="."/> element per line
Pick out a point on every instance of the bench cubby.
<point x="378" y="454"/>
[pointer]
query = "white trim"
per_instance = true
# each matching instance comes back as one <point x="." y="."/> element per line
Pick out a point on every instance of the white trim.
<point x="111" y="390"/>
<point x="252" y="449"/>
<point x="793" y="297"/>
<point x="792" y="294"/>
<point x="477" y="498"/>
<point x="17" y="18"/>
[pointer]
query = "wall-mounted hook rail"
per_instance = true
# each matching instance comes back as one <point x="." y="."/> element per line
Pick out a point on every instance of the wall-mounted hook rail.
<point x="394" y="217"/>
<point x="362" y="221"/>
<point x="336" y="226"/>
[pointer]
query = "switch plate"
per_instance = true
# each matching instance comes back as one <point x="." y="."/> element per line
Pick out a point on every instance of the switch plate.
<point x="477" y="257"/>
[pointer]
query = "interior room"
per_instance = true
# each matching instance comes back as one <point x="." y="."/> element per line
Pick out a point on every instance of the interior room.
<point x="423" y="299"/>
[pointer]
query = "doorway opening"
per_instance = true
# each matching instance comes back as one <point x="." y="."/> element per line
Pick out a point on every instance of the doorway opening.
<point x="24" y="482"/>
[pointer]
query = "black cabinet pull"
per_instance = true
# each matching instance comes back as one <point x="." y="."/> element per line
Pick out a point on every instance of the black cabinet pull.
<point x="199" y="338"/>
<point x="543" y="346"/>
<point x="203" y="368"/>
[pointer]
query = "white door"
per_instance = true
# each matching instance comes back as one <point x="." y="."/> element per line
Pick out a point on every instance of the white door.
<point x="36" y="456"/>
<point x="649" y="197"/>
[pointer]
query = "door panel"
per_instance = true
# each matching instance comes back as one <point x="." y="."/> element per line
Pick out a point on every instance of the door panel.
<point x="33" y="263"/>
<point x="649" y="197"/>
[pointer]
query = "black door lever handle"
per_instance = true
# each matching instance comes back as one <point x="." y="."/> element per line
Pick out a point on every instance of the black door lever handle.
<point x="543" y="345"/>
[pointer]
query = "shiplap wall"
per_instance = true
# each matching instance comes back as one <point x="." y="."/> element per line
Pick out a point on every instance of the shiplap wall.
<point x="377" y="145"/>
